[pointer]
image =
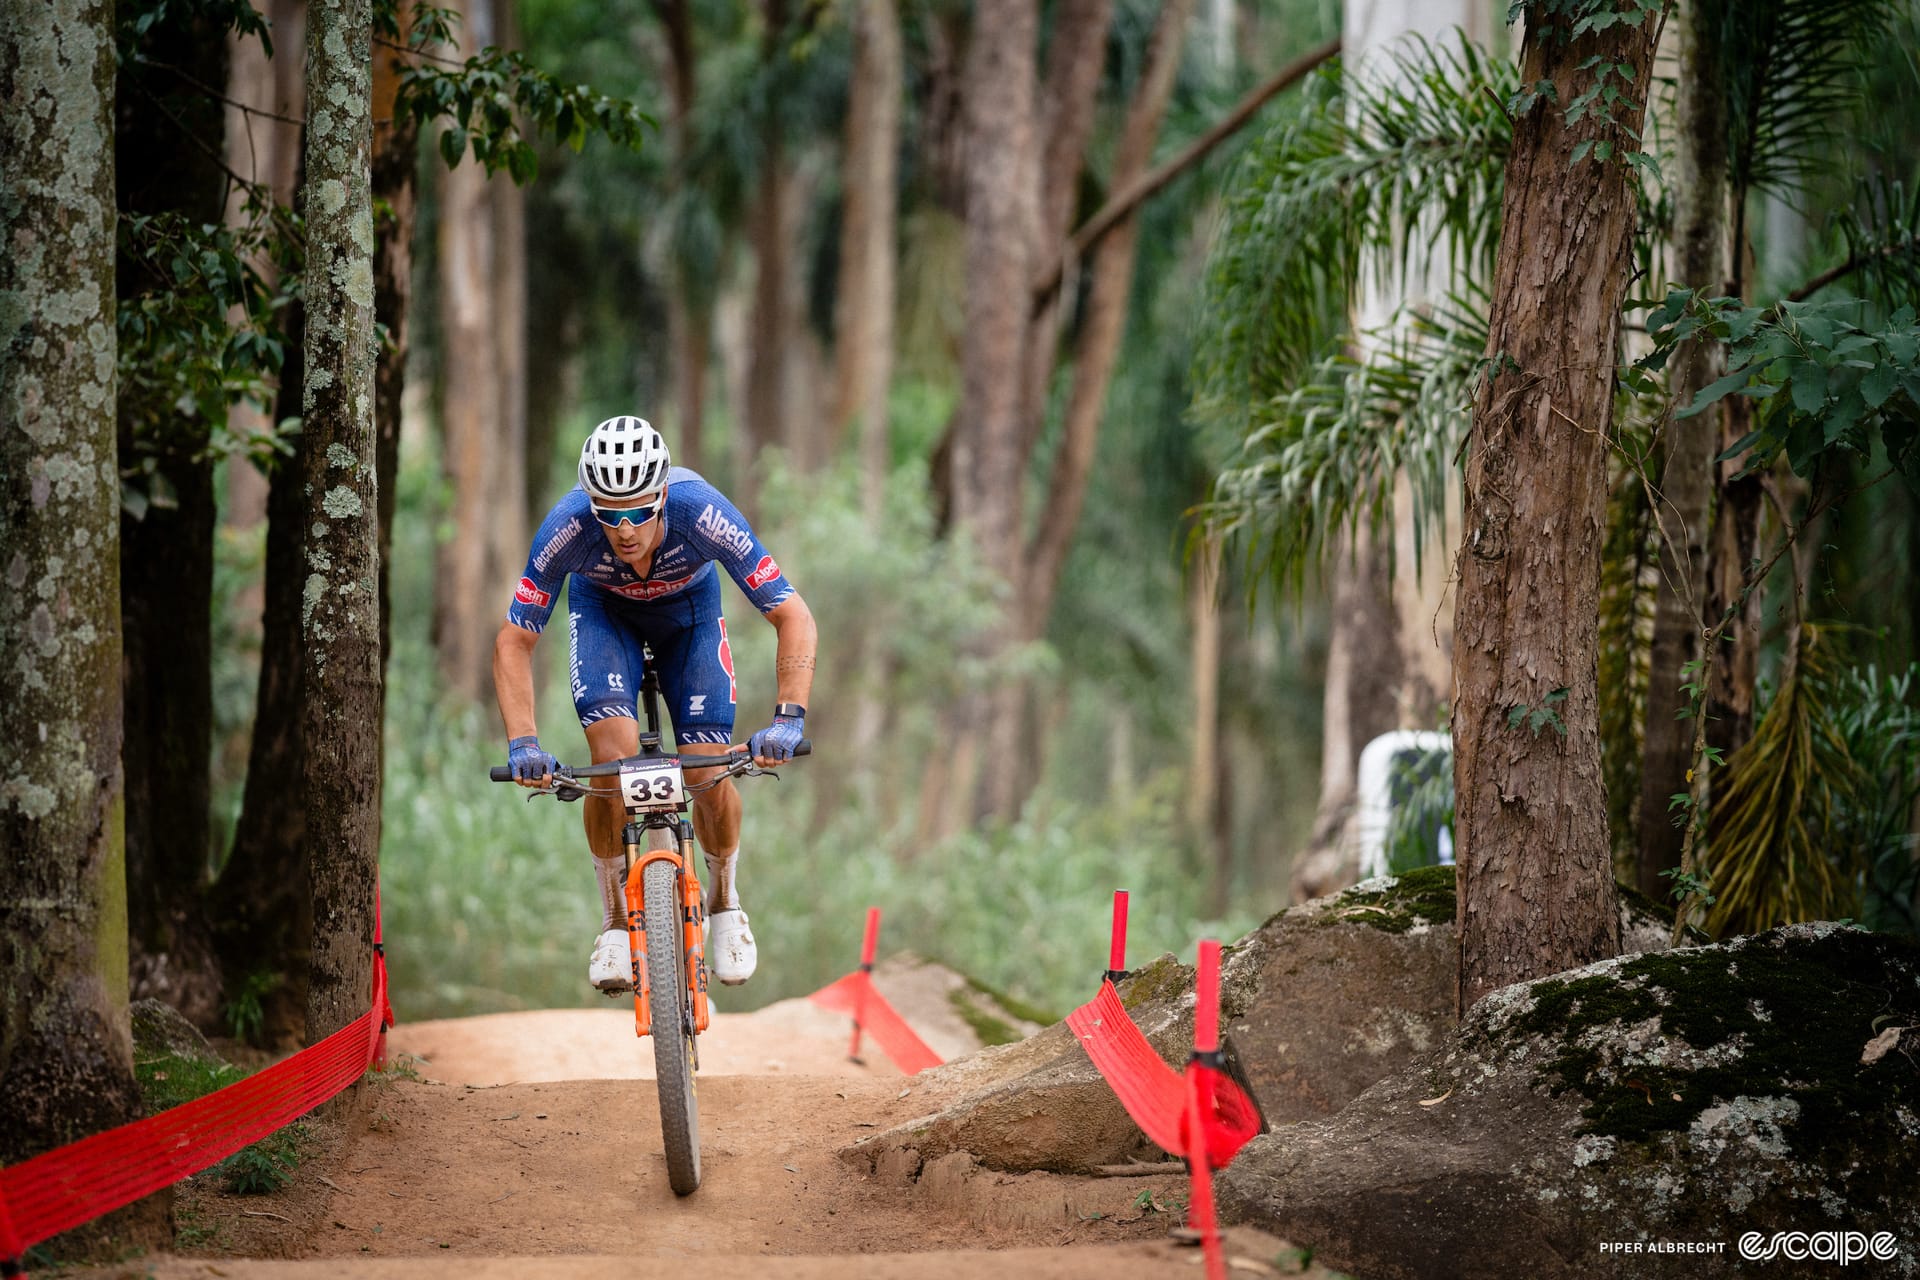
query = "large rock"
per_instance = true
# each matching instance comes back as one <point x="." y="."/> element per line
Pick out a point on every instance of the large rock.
<point x="1317" y="1004"/>
<point x="1579" y="1124"/>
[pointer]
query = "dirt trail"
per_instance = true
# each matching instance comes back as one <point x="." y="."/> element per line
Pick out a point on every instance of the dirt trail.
<point x="530" y="1147"/>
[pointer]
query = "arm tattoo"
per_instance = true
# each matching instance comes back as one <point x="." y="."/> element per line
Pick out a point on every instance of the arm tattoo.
<point x="804" y="663"/>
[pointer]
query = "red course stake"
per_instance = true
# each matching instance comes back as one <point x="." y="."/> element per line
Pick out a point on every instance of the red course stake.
<point x="869" y="947"/>
<point x="1117" y="952"/>
<point x="1206" y="1042"/>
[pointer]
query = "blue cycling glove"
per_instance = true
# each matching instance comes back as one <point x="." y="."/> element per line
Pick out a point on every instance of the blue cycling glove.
<point x="528" y="762"/>
<point x="777" y="740"/>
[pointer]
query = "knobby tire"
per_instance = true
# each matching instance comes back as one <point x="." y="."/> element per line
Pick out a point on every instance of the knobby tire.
<point x="672" y="1031"/>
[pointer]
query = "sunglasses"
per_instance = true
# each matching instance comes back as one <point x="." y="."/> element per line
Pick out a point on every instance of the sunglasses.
<point x="613" y="518"/>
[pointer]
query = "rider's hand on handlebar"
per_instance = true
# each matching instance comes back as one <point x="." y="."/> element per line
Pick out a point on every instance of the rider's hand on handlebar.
<point x="774" y="744"/>
<point x="532" y="767"/>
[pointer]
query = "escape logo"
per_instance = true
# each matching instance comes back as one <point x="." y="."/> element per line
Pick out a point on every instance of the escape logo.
<point x="1820" y="1246"/>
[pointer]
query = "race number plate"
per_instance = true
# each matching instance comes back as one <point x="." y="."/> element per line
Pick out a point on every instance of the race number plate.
<point x="653" y="784"/>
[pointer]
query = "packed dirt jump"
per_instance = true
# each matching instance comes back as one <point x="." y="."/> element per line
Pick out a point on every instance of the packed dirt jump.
<point x="529" y="1146"/>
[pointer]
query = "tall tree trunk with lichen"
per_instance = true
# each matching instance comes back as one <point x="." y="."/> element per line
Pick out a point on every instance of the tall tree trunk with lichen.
<point x="1536" y="874"/>
<point x="66" y="1058"/>
<point x="1685" y="501"/>
<point x="340" y="599"/>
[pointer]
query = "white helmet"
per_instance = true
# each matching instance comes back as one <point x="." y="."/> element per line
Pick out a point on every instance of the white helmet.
<point x="623" y="459"/>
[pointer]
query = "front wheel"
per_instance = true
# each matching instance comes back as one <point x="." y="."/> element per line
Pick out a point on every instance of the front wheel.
<point x="672" y="1026"/>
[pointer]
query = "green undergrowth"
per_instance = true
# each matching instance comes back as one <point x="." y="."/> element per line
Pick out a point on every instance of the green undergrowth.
<point x="1793" y="1012"/>
<point x="1014" y="1005"/>
<point x="981" y="1006"/>
<point x="170" y="1080"/>
<point x="990" y="1029"/>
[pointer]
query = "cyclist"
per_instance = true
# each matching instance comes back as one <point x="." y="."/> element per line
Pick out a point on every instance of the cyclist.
<point x="636" y="541"/>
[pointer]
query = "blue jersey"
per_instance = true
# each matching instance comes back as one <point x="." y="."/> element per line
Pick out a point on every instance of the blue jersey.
<point x="702" y="528"/>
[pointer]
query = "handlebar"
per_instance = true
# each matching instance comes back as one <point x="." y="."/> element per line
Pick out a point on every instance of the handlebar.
<point x="611" y="768"/>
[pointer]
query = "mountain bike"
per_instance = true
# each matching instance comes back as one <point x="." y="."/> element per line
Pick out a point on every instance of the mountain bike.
<point x="666" y="911"/>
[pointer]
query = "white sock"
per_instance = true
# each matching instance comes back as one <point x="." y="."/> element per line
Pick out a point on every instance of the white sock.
<point x="722" y="896"/>
<point x="612" y="873"/>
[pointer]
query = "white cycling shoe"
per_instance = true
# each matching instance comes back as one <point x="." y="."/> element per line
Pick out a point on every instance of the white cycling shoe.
<point x="730" y="950"/>
<point x="610" y="968"/>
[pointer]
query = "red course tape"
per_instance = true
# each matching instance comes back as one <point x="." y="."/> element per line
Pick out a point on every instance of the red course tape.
<point x="856" y="995"/>
<point x="61" y="1189"/>
<point x="1203" y="1116"/>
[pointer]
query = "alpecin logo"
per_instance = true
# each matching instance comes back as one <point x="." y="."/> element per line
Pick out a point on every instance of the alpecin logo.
<point x="1842" y="1247"/>
<point x="528" y="593"/>
<point x="763" y="573"/>
<point x="724" y="531"/>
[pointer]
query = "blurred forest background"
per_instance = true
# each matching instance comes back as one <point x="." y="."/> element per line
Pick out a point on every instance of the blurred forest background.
<point x="1142" y="644"/>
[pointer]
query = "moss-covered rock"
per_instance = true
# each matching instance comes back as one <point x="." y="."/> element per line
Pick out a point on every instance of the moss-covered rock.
<point x="1696" y="1095"/>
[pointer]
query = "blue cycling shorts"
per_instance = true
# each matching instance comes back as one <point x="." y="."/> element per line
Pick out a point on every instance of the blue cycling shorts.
<point x="688" y="638"/>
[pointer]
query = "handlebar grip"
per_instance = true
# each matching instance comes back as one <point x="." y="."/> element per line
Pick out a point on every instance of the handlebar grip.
<point x="805" y="747"/>
<point x="500" y="773"/>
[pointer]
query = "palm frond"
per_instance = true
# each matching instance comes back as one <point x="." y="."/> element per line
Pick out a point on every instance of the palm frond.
<point x="1775" y="849"/>
<point x="1881" y="235"/>
<point x="1793" y="68"/>
<point x="1377" y="168"/>
<point x="1328" y="453"/>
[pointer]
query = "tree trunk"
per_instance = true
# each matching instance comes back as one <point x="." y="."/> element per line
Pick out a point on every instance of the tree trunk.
<point x="1536" y="880"/>
<point x="66" y="1054"/>
<point x="340" y="602"/>
<point x="1358" y="703"/>
<point x="1002" y="162"/>
<point x="764" y="413"/>
<point x="167" y="136"/>
<point x="1069" y="87"/>
<point x="262" y="909"/>
<point x="1736" y="546"/>
<point x="396" y="154"/>
<point x="1203" y="769"/>
<point x="482" y="402"/>
<point x="689" y="299"/>
<point x="1096" y="350"/>
<point x="869" y="244"/>
<point x="1685" y="511"/>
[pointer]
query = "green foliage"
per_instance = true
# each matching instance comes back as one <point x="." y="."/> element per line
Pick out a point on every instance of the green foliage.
<point x="172" y="1080"/>
<point x="1328" y="454"/>
<point x="244" y="1010"/>
<point x="483" y="100"/>
<point x="261" y="1169"/>
<point x="1422" y="791"/>
<point x="1687" y="885"/>
<point x="183" y="358"/>
<point x="134" y="20"/>
<point x="1790" y="70"/>
<point x="1824" y="383"/>
<point x="1379" y="169"/>
<point x="1540" y="717"/>
<point x="1879" y="718"/>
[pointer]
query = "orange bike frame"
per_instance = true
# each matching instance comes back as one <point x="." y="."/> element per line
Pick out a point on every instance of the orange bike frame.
<point x="693" y="938"/>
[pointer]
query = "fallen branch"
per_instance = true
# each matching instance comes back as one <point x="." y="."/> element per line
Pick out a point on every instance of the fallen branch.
<point x="1137" y="1169"/>
<point x="1124" y="202"/>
